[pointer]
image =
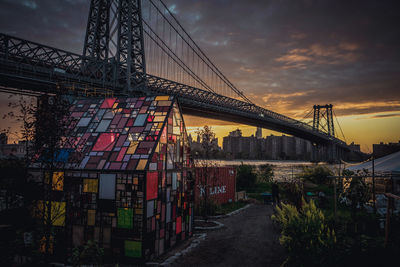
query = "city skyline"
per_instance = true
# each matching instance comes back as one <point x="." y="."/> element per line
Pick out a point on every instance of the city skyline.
<point x="285" y="56"/>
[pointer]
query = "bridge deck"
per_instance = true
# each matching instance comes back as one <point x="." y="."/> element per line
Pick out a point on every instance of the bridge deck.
<point x="32" y="66"/>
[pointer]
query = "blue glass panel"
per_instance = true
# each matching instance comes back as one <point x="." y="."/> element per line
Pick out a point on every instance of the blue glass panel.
<point x="107" y="186"/>
<point x="140" y="120"/>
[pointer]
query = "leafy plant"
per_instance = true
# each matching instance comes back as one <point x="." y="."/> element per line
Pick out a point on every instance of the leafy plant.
<point x="90" y="253"/>
<point x="292" y="191"/>
<point x="266" y="173"/>
<point x="317" y="175"/>
<point x="305" y="234"/>
<point x="246" y="177"/>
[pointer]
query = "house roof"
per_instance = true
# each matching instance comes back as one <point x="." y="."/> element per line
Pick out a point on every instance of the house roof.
<point x="389" y="163"/>
<point x="116" y="133"/>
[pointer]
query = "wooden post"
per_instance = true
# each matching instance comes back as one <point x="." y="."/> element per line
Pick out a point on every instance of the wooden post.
<point x="387" y="223"/>
<point x="334" y="195"/>
<point x="373" y="182"/>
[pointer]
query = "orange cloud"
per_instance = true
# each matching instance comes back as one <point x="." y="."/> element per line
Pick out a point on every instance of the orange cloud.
<point x="320" y="54"/>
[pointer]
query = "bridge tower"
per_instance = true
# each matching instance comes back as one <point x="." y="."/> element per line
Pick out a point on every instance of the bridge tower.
<point x="114" y="42"/>
<point x="323" y="119"/>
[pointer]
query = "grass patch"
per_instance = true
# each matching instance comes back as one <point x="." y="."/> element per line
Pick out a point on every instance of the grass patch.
<point x="229" y="207"/>
<point x="256" y="196"/>
<point x="260" y="188"/>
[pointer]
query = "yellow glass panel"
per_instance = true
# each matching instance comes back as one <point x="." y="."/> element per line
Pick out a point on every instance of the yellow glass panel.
<point x="115" y="105"/>
<point x="138" y="211"/>
<point x="135" y="180"/>
<point x="91" y="217"/>
<point x="141" y="165"/>
<point x="159" y="119"/>
<point x="90" y="185"/>
<point x="162" y="97"/>
<point x="58" y="181"/>
<point x="42" y="244"/>
<point x="164" y="103"/>
<point x="132" y="147"/>
<point x="57" y="213"/>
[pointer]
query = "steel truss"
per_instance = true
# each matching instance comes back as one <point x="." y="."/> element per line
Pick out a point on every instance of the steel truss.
<point x="25" y="64"/>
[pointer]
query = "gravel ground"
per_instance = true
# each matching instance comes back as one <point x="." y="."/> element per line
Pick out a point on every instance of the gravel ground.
<point x="248" y="239"/>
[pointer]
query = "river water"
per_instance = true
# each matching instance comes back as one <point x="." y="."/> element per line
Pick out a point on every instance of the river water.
<point x="283" y="169"/>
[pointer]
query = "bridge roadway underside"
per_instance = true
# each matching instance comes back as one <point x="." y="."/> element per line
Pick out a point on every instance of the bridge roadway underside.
<point x="213" y="112"/>
<point x="13" y="83"/>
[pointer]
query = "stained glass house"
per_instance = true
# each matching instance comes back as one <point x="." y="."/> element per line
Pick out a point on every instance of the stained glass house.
<point x="125" y="182"/>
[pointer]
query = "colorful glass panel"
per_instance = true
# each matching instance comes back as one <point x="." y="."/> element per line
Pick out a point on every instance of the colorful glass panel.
<point x="125" y="218"/>
<point x="58" y="181"/>
<point x="107" y="186"/>
<point x="133" y="249"/>
<point x="178" y="225"/>
<point x="108" y="103"/>
<point x="105" y="142"/>
<point x="151" y="185"/>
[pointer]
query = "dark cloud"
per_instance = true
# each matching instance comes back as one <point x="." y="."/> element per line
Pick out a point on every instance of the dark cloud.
<point x="299" y="53"/>
<point x="58" y="23"/>
<point x="285" y="55"/>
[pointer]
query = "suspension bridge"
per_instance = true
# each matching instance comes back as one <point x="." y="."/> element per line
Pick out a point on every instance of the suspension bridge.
<point x="138" y="47"/>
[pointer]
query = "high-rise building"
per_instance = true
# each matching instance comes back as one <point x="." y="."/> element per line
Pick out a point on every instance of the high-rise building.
<point x="3" y="138"/>
<point x="383" y="149"/>
<point x="272" y="147"/>
<point x="259" y="133"/>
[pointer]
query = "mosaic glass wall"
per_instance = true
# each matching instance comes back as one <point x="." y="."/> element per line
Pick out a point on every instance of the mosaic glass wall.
<point x="129" y="189"/>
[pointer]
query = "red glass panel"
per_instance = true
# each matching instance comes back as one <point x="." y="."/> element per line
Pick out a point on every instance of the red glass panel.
<point x="151" y="185"/>
<point x="132" y="164"/>
<point x="115" y="166"/>
<point x="121" y="154"/>
<point x="155" y="157"/>
<point x="178" y="225"/>
<point x="142" y="151"/>
<point x="129" y="123"/>
<point x="105" y="142"/>
<point x="121" y="141"/>
<point x="150" y="118"/>
<point x="108" y="103"/>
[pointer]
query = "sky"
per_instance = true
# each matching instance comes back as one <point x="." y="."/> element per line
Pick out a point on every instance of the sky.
<point x="285" y="55"/>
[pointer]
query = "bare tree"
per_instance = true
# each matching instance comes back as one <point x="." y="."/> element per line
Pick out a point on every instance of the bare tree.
<point x="44" y="125"/>
<point x="208" y="177"/>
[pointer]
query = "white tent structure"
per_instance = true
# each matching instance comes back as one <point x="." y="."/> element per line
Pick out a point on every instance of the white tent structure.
<point x="389" y="164"/>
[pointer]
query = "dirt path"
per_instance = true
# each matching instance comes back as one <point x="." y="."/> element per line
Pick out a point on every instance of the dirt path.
<point x="248" y="239"/>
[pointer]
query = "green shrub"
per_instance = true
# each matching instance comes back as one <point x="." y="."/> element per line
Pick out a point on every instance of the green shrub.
<point x="317" y="175"/>
<point x="90" y="254"/>
<point x="266" y="173"/>
<point x="246" y="177"/>
<point x="292" y="191"/>
<point x="205" y="209"/>
<point x="305" y="234"/>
